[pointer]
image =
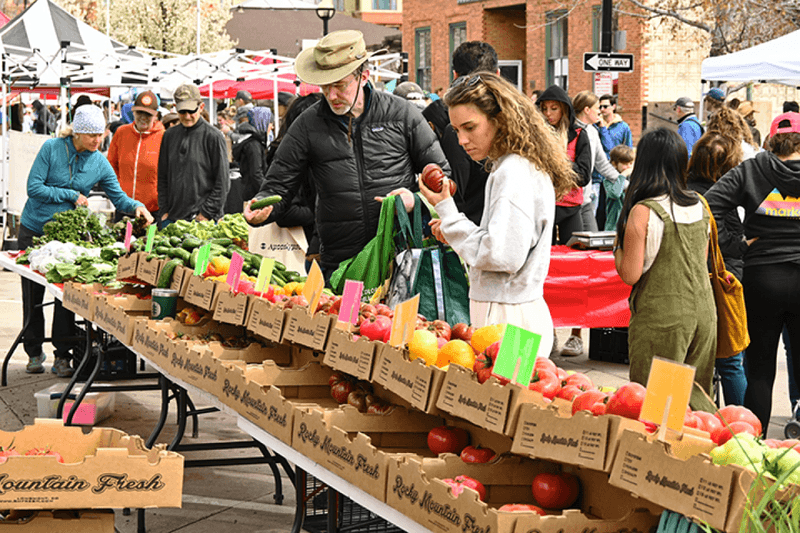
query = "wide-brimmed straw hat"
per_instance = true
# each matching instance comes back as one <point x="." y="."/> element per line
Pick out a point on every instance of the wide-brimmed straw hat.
<point x="334" y="57"/>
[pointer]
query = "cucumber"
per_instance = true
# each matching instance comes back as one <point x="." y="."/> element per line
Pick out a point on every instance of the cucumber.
<point x="280" y="266"/>
<point x="180" y="253"/>
<point x="162" y="250"/>
<point x="174" y="241"/>
<point x="264" y="202"/>
<point x="193" y="257"/>
<point x="190" y="243"/>
<point x="222" y="241"/>
<point x="165" y="277"/>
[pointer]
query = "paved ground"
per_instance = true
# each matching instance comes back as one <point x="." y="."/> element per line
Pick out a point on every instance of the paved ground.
<point x="231" y="499"/>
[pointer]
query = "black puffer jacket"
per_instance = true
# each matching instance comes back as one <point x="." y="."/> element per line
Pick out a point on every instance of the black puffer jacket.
<point x="249" y="146"/>
<point x="390" y="143"/>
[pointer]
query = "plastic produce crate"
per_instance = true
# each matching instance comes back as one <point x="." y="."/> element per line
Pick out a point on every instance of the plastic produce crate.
<point x="609" y="345"/>
<point x="353" y="518"/>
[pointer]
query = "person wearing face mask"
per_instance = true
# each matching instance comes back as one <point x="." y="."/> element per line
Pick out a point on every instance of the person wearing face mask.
<point x="62" y="175"/>
<point x="134" y="151"/>
<point x="358" y="145"/>
<point x="193" y="170"/>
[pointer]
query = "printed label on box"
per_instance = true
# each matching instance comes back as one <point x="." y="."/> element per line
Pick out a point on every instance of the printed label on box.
<point x="200" y="292"/>
<point x="80" y="299"/>
<point x="231" y="308"/>
<point x="346" y="355"/>
<point x="127" y="266"/>
<point x="147" y="271"/>
<point x="309" y="331"/>
<point x="266" y="320"/>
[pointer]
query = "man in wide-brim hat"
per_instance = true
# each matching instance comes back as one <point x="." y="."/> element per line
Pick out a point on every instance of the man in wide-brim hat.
<point x="357" y="146"/>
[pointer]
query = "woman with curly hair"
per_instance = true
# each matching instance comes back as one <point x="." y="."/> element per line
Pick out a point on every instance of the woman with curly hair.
<point x="509" y="252"/>
<point x="730" y="123"/>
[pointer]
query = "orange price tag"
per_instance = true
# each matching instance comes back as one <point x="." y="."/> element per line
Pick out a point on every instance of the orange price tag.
<point x="404" y="321"/>
<point x="669" y="388"/>
<point x="312" y="290"/>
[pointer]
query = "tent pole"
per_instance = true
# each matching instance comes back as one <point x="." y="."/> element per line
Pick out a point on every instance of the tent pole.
<point x="4" y="180"/>
<point x="700" y="107"/>
<point x="213" y="103"/>
<point x="275" y="116"/>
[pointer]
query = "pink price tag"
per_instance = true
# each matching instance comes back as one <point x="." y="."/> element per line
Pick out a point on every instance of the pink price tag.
<point x="351" y="301"/>
<point x="235" y="271"/>
<point x="128" y="235"/>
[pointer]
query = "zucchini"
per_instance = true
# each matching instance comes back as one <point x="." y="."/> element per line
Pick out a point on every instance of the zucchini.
<point x="222" y="241"/>
<point x="174" y="241"/>
<point x="165" y="277"/>
<point x="179" y="253"/>
<point x="162" y="250"/>
<point x="264" y="202"/>
<point x="190" y="243"/>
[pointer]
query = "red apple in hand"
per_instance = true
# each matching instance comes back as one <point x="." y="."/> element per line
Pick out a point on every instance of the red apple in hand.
<point x="433" y="178"/>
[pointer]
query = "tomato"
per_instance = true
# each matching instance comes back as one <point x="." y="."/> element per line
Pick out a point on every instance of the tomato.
<point x="733" y="413"/>
<point x="708" y="422"/>
<point x="41" y="452"/>
<point x="462" y="331"/>
<point x="444" y="439"/>
<point x="522" y="507"/>
<point x="555" y="491"/>
<point x="337" y="376"/>
<point x="627" y="401"/>
<point x="568" y="392"/>
<point x="341" y="390"/>
<point x="586" y="400"/>
<point x="376" y="327"/>
<point x="383" y="309"/>
<point x="543" y="363"/>
<point x="580" y="380"/>
<point x="380" y="407"/>
<point x="457" y="486"/>
<point x="723" y="434"/>
<point x="545" y="382"/>
<point x="441" y="329"/>
<point x="357" y="399"/>
<point x="7" y="452"/>
<point x="598" y="409"/>
<point x="366" y="311"/>
<point x="690" y="420"/>
<point x="484" y="362"/>
<point x="477" y="454"/>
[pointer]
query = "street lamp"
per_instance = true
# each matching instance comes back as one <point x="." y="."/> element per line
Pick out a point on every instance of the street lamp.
<point x="325" y="11"/>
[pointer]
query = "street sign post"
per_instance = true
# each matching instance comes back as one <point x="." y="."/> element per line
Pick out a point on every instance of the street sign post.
<point x="603" y="62"/>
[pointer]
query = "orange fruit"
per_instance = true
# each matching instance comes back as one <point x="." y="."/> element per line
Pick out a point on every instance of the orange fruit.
<point x="423" y="345"/>
<point x="486" y="336"/>
<point x="458" y="352"/>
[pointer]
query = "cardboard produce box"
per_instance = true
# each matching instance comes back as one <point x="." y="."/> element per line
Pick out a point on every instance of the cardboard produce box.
<point x="79" y="298"/>
<point x="490" y="405"/>
<point x="180" y="280"/>
<point x="230" y="308"/>
<point x="356" y="358"/>
<point x="154" y="338"/>
<point x="266" y="319"/>
<point x="413" y="381"/>
<point x="110" y="313"/>
<point x="262" y="393"/>
<point x="58" y="521"/>
<point x="127" y="267"/>
<point x="200" y="292"/>
<point x="581" y="439"/>
<point x="356" y="446"/>
<point x="415" y="489"/>
<point x="147" y="270"/>
<point x="307" y="330"/>
<point x="102" y="469"/>
<point x="747" y="486"/>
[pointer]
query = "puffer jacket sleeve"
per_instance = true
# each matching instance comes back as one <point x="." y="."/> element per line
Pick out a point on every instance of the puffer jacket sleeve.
<point x="425" y="146"/>
<point x="287" y="170"/>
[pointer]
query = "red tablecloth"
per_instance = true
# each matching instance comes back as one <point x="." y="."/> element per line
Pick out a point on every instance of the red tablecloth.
<point x="584" y="290"/>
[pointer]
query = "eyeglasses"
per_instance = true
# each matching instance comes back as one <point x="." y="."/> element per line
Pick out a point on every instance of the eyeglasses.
<point x="605" y="106"/>
<point x="188" y="111"/>
<point x="339" y="86"/>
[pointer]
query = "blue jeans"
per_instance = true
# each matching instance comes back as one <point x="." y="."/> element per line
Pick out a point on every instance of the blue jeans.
<point x="734" y="382"/>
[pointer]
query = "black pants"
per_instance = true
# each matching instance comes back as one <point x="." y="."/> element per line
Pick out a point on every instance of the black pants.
<point x="32" y="295"/>
<point x="772" y="299"/>
<point x="568" y="221"/>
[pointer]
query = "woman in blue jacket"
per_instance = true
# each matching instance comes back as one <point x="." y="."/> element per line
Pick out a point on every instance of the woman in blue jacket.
<point x="64" y="172"/>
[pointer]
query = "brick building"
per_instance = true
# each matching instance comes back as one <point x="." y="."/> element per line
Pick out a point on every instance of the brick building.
<point x="539" y="43"/>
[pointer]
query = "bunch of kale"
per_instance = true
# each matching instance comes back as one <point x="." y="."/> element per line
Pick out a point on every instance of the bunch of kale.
<point x="78" y="226"/>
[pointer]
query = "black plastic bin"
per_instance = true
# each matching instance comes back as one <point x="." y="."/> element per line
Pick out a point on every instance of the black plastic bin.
<point x="609" y="345"/>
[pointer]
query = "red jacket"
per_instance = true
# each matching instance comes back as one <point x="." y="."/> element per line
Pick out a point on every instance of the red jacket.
<point x="134" y="157"/>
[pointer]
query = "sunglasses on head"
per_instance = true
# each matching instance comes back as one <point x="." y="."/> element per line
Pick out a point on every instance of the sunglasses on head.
<point x="468" y="81"/>
<point x="188" y="111"/>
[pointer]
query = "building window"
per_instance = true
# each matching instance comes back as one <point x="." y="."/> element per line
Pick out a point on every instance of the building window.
<point x="557" y="49"/>
<point x="384" y="5"/>
<point x="422" y="42"/>
<point x="458" y="35"/>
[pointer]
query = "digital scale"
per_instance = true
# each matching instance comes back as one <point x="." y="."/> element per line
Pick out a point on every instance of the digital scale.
<point x="592" y="240"/>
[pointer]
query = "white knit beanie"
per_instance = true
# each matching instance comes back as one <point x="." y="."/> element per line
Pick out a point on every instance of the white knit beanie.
<point x="89" y="119"/>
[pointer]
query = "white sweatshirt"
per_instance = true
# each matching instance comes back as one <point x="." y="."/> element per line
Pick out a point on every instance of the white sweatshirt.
<point x="509" y="253"/>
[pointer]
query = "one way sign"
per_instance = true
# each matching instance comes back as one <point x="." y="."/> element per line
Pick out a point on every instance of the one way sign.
<point x="598" y="61"/>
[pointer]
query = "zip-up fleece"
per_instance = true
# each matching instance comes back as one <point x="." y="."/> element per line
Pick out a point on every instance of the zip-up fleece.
<point x="134" y="157"/>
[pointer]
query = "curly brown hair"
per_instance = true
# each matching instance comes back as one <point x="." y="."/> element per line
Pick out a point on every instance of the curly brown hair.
<point x="521" y="129"/>
<point x="713" y="155"/>
<point x="730" y="123"/>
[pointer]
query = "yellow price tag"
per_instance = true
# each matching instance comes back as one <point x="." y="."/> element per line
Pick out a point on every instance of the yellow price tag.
<point x="404" y="322"/>
<point x="669" y="388"/>
<point x="312" y="290"/>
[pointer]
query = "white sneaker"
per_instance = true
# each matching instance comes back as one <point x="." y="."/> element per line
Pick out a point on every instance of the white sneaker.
<point x="573" y="347"/>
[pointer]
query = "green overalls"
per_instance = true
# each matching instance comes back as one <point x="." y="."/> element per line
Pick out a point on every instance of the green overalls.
<point x="673" y="315"/>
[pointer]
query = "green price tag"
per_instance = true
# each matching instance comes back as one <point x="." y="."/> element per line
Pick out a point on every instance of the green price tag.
<point x="517" y="355"/>
<point x="202" y="259"/>
<point x="264" y="274"/>
<point x="151" y="233"/>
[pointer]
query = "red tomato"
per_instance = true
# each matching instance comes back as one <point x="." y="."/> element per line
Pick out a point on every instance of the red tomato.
<point x="376" y="327"/>
<point x="477" y="454"/>
<point x="545" y="364"/>
<point x="598" y="409"/>
<point x="462" y="331"/>
<point x="562" y="374"/>
<point x="483" y="367"/>
<point x="383" y="309"/>
<point x="444" y="439"/>
<point x="569" y="392"/>
<point x="555" y="491"/>
<point x="474" y="484"/>
<point x="709" y="422"/>
<point x="771" y="443"/>
<point x="627" y="401"/>
<point x="521" y="507"/>
<point x="580" y="380"/>
<point x="723" y="434"/>
<point x="733" y="413"/>
<point x="545" y="382"/>
<point x="441" y="329"/>
<point x="690" y="420"/>
<point x="586" y="400"/>
<point x="341" y="390"/>
<point x="5" y="453"/>
<point x="44" y="452"/>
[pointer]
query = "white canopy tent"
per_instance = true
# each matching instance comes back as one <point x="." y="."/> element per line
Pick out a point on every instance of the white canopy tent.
<point x="775" y="61"/>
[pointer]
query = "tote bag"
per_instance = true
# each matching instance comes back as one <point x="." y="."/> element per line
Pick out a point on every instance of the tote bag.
<point x="732" y="334"/>
<point x="287" y="245"/>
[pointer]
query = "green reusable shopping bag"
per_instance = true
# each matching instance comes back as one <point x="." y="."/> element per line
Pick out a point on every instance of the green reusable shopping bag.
<point x="372" y="265"/>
